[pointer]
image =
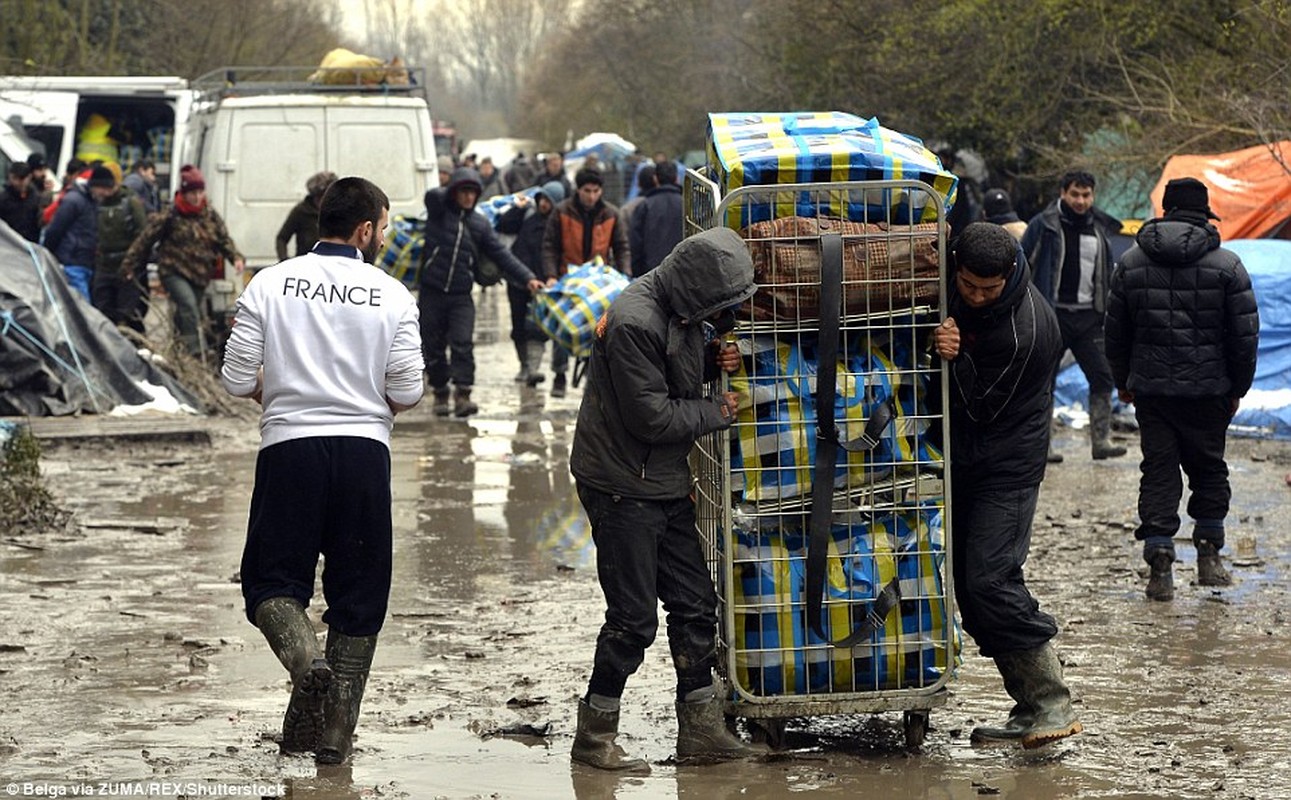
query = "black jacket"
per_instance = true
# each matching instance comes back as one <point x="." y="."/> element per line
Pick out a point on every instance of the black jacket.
<point x="656" y="228"/>
<point x="456" y="240"/>
<point x="1181" y="319"/>
<point x="1001" y="386"/>
<point x="642" y="410"/>
<point x="21" y="211"/>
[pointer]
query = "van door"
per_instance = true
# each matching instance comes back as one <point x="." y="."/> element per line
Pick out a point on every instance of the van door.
<point x="267" y="157"/>
<point x="386" y="145"/>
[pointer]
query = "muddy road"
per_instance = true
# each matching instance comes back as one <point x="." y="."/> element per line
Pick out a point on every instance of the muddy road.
<point x="126" y="663"/>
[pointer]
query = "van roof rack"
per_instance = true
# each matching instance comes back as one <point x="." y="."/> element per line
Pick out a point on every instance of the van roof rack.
<point x="261" y="80"/>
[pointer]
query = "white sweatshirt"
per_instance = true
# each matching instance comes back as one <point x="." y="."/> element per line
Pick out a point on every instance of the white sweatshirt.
<point x="335" y="336"/>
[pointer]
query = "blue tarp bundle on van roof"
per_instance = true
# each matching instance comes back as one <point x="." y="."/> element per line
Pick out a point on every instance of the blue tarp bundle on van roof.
<point x="1266" y="410"/>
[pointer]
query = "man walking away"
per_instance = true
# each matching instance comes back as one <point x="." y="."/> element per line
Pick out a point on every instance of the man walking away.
<point x="656" y="226"/>
<point x="1070" y="254"/>
<point x="330" y="348"/>
<point x="1182" y="333"/>
<point x="1001" y="401"/>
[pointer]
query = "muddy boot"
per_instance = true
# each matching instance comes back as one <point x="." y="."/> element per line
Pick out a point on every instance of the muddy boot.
<point x="440" y="406"/>
<point x="1100" y="428"/>
<point x="1161" y="581"/>
<point x="702" y="735"/>
<point x="1053" y="456"/>
<point x="594" y="743"/>
<point x="558" y="385"/>
<point x="533" y="362"/>
<point x="462" y="405"/>
<point x="1021" y="718"/>
<point x="1210" y="569"/>
<point x="351" y="658"/>
<point x="1038" y="674"/>
<point x="287" y="628"/>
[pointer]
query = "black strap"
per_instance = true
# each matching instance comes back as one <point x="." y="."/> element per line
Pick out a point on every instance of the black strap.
<point x="827" y="444"/>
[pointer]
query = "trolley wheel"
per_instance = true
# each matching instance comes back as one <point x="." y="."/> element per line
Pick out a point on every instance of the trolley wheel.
<point x="770" y="732"/>
<point x="916" y="728"/>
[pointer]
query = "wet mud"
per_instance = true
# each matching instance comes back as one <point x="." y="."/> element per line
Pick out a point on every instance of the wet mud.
<point x="125" y="655"/>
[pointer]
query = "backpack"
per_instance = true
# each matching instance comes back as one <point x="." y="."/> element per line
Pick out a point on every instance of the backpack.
<point x="118" y="228"/>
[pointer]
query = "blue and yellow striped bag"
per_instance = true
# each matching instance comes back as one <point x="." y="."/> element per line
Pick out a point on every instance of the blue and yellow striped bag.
<point x="568" y="310"/>
<point x="401" y="256"/>
<point x="748" y="149"/>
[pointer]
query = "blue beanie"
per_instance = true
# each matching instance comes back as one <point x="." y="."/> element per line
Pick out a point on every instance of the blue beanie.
<point x="553" y="191"/>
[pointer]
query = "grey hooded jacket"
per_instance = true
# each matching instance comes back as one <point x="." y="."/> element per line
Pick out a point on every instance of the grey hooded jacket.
<point x="642" y="410"/>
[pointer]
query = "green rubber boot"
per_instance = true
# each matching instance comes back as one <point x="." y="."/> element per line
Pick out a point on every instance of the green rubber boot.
<point x="702" y="735"/>
<point x="1040" y="684"/>
<point x="1021" y="718"/>
<point x="291" y="636"/>
<point x="351" y="659"/>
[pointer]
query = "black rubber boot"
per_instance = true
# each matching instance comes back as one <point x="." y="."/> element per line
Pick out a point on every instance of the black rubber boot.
<point x="595" y="745"/>
<point x="1100" y="428"/>
<point x="351" y="659"/>
<point x="1210" y="569"/>
<point x="702" y="736"/>
<point x="1161" y="581"/>
<point x="462" y="405"/>
<point x="523" y="375"/>
<point x="291" y="636"/>
<point x="440" y="406"/>
<point x="1039" y="679"/>
<point x="558" y="385"/>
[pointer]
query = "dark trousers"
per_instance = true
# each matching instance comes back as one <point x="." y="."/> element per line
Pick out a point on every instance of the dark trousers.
<point x="1185" y="433"/>
<point x="1082" y="334"/>
<point x="122" y="301"/>
<point x="992" y="536"/>
<point x="647" y="551"/>
<point x="523" y="329"/>
<point x="328" y="496"/>
<point x="447" y="324"/>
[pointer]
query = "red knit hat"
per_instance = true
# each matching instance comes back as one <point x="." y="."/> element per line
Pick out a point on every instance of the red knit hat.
<point x="190" y="178"/>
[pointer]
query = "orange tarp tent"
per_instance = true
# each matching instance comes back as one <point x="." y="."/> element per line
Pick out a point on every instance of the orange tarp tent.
<point x="1250" y="189"/>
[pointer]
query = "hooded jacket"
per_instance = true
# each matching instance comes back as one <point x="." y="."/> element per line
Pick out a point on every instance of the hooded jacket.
<point x="1046" y="249"/>
<point x="1001" y="386"/>
<point x="457" y="238"/>
<point x="529" y="224"/>
<point x="642" y="410"/>
<point x="1181" y="319"/>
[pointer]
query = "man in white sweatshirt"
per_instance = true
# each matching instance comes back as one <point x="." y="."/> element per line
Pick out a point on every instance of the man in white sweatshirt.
<point x="330" y="347"/>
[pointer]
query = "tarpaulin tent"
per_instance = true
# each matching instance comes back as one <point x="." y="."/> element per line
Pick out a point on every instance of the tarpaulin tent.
<point x="1249" y="189"/>
<point x="58" y="354"/>
<point x="1266" y="410"/>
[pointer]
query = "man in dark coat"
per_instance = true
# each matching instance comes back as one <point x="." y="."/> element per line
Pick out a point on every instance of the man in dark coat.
<point x="528" y="221"/>
<point x="1182" y="333"/>
<point x="1070" y="253"/>
<point x="456" y="239"/>
<point x="20" y="203"/>
<point x="1003" y="345"/>
<point x="656" y="225"/>
<point x="641" y="414"/>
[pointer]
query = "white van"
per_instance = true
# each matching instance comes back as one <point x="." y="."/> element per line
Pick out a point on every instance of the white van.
<point x="121" y="119"/>
<point x="258" y="141"/>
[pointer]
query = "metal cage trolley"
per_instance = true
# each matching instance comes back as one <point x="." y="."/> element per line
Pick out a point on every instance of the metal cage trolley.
<point x="822" y="510"/>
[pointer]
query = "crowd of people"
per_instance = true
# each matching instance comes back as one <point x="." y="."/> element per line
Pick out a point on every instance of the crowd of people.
<point x="333" y="352"/>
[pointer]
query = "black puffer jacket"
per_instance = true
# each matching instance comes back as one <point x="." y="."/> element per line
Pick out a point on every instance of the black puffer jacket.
<point x="1181" y="319"/>
<point x="1001" y="386"/>
<point x="457" y="238"/>
<point x="642" y="411"/>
